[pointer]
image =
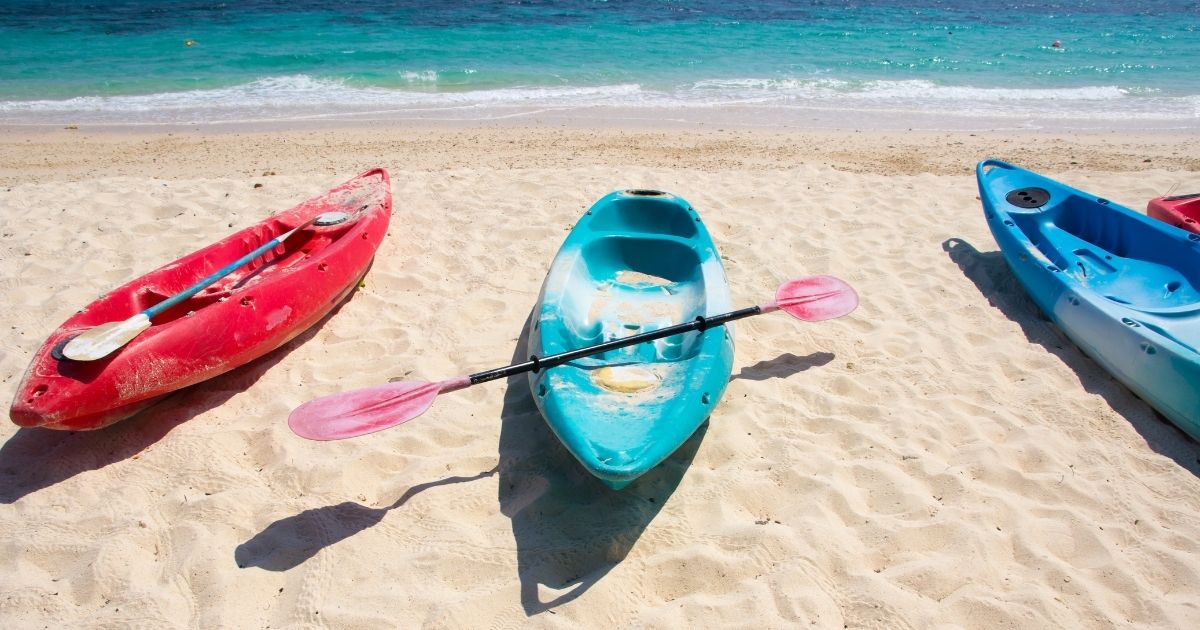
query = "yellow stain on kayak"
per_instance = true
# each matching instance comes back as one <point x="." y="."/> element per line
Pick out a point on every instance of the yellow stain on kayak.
<point x="625" y="379"/>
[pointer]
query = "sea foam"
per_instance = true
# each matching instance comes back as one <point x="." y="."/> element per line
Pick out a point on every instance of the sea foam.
<point x="303" y="96"/>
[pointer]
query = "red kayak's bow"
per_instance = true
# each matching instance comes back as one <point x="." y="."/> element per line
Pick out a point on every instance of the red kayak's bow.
<point x="1182" y="211"/>
<point x="246" y="314"/>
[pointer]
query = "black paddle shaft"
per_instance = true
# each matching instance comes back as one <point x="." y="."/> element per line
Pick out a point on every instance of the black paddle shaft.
<point x="534" y="364"/>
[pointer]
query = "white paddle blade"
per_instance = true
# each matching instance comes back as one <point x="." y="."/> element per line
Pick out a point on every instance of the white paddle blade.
<point x="103" y="340"/>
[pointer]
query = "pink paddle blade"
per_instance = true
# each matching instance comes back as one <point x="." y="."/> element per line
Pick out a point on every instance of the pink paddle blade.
<point x="816" y="298"/>
<point x="361" y="411"/>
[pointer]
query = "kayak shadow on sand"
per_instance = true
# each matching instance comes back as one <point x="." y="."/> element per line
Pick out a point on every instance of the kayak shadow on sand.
<point x="570" y="529"/>
<point x="34" y="459"/>
<point x="992" y="276"/>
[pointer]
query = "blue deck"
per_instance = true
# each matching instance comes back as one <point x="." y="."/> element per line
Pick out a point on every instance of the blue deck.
<point x="1125" y="288"/>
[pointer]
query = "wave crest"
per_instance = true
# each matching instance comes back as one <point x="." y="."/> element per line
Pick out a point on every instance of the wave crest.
<point x="303" y="96"/>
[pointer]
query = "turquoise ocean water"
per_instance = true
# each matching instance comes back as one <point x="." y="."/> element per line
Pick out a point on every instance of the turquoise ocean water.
<point x="129" y="61"/>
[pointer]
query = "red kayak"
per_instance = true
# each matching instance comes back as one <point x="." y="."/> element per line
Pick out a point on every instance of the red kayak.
<point x="1182" y="211"/>
<point x="255" y="309"/>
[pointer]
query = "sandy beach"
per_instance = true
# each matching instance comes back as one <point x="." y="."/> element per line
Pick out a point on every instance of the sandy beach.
<point x="942" y="458"/>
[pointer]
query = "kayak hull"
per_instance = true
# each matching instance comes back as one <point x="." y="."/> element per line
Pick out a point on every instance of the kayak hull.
<point x="1125" y="288"/>
<point x="1181" y="211"/>
<point x="637" y="261"/>
<point x="241" y="317"/>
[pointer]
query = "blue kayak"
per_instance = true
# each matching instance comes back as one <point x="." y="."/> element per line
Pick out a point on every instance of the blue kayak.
<point x="1122" y="286"/>
<point x="637" y="261"/>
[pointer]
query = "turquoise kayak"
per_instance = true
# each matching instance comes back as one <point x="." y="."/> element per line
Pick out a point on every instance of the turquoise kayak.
<point x="1124" y="287"/>
<point x="637" y="261"/>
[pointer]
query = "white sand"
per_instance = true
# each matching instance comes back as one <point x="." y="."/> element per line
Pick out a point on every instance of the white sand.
<point x="944" y="457"/>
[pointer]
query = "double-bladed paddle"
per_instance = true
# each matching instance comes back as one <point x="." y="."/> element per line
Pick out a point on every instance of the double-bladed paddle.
<point x="361" y="411"/>
<point x="103" y="340"/>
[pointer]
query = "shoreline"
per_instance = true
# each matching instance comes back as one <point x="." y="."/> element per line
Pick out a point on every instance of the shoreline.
<point x="34" y="155"/>
<point x="832" y="117"/>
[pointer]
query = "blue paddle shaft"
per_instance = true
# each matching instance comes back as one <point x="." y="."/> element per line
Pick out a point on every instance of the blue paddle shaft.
<point x="220" y="273"/>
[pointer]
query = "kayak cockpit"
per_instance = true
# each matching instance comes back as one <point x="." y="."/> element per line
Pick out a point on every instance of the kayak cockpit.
<point x="626" y="285"/>
<point x="307" y="246"/>
<point x="1116" y="255"/>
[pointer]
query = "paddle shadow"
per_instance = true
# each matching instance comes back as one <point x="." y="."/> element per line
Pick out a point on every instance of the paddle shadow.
<point x="783" y="366"/>
<point x="289" y="542"/>
<point x="570" y="529"/>
<point x="992" y="276"/>
<point x="34" y="459"/>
